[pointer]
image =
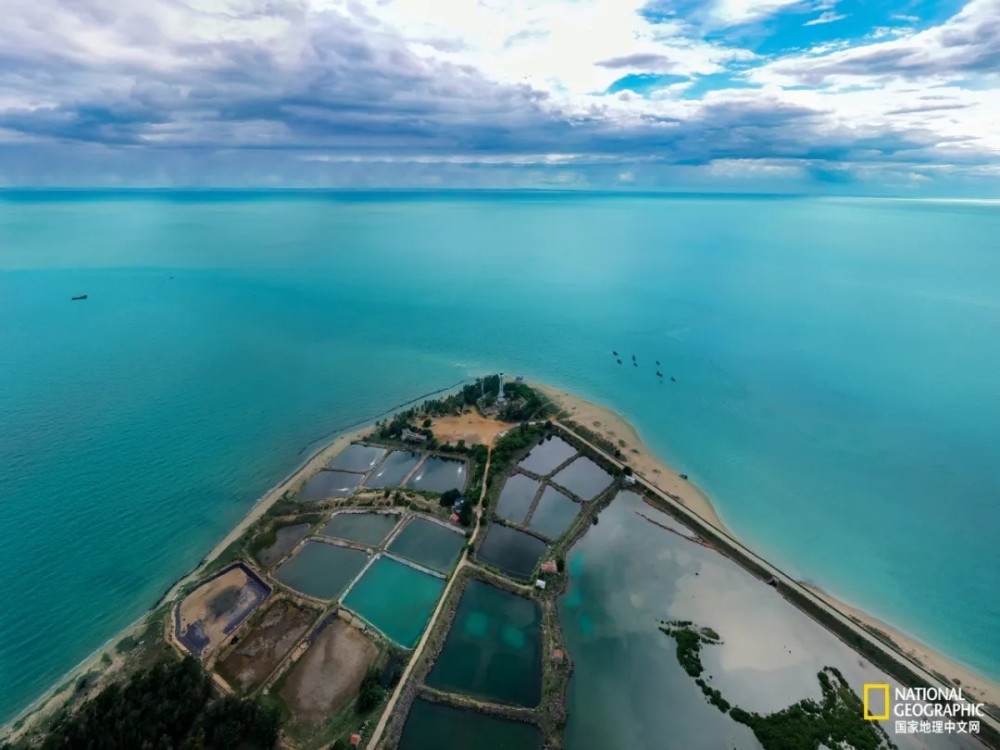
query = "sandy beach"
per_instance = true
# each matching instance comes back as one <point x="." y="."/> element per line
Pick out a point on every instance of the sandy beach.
<point x="613" y="427"/>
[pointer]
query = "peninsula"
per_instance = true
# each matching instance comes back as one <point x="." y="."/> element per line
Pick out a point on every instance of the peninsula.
<point x="407" y="587"/>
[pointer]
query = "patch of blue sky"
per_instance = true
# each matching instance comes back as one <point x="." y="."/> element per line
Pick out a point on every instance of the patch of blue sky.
<point x="798" y="28"/>
<point x="644" y="83"/>
<point x="701" y="85"/>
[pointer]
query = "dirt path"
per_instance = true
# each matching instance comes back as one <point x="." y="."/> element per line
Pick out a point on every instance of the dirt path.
<point x="463" y="561"/>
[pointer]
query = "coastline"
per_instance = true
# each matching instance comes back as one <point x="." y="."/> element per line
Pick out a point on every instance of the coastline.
<point x="52" y="699"/>
<point x="600" y="419"/>
<point x="614" y="427"/>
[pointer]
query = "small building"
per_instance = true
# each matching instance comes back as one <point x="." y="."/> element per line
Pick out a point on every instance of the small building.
<point x="453" y="518"/>
<point x="540" y="584"/>
<point x="549" y="566"/>
<point x="557" y="655"/>
<point x="630" y="479"/>
<point x="413" y="437"/>
<point x="355" y="740"/>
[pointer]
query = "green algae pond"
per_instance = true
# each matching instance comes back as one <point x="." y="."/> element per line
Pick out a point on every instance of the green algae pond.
<point x="516" y="497"/>
<point x="285" y="538"/>
<point x="494" y="648"/>
<point x="554" y="513"/>
<point x="395" y="598"/>
<point x="512" y="551"/>
<point x="369" y="529"/>
<point x="439" y="475"/>
<point x="358" y="457"/>
<point x="545" y="457"/>
<point x="584" y="478"/>
<point x="321" y="570"/>
<point x="435" y="726"/>
<point x="429" y="544"/>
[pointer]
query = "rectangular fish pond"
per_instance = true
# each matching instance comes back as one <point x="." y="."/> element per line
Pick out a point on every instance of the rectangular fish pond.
<point x="328" y="484"/>
<point x="513" y="551"/>
<point x="369" y="529"/>
<point x="547" y="456"/>
<point x="394" y="469"/>
<point x="358" y="457"/>
<point x="439" y="475"/>
<point x="494" y="648"/>
<point x="321" y="570"/>
<point x="554" y="513"/>
<point x="429" y="544"/>
<point x="396" y="598"/>
<point x="583" y="478"/>
<point x="435" y="726"/>
<point x="516" y="498"/>
<point x="285" y="538"/>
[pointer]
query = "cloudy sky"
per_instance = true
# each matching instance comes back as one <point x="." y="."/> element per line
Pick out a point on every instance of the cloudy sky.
<point x="898" y="97"/>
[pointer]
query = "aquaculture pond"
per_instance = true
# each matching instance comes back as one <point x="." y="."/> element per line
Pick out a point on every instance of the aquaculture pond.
<point x="358" y="457"/>
<point x="327" y="484"/>
<point x="513" y="551"/>
<point x="429" y="544"/>
<point x="321" y="570"/>
<point x="439" y="475"/>
<point x="395" y="598"/>
<point x="394" y="469"/>
<point x="494" y="648"/>
<point x="364" y="528"/>
<point x="545" y="457"/>
<point x="583" y="478"/>
<point x="516" y="498"/>
<point x="285" y="538"/>
<point x="433" y="726"/>
<point x="554" y="513"/>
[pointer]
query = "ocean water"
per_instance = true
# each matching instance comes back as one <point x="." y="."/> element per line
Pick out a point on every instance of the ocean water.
<point x="835" y="363"/>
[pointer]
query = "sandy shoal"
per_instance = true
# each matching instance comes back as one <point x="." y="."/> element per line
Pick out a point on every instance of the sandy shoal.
<point x="974" y="686"/>
<point x="613" y="427"/>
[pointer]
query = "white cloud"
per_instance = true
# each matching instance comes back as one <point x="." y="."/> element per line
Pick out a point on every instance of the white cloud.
<point x="826" y="17"/>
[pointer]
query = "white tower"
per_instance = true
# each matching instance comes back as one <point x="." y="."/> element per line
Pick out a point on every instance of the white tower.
<point x="500" y="397"/>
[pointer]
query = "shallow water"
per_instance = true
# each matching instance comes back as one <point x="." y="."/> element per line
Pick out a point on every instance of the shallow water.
<point x="583" y="478"/>
<point x="493" y="650"/>
<point x="394" y="469"/>
<point x="364" y="528"/>
<point x="554" y="514"/>
<point x="357" y="457"/>
<point x="543" y="459"/>
<point x="439" y="475"/>
<point x="833" y="359"/>
<point x="516" y="497"/>
<point x="626" y="575"/>
<point x="433" y="726"/>
<point x="396" y="599"/>
<point x="512" y="551"/>
<point x="327" y="484"/>
<point x="321" y="570"/>
<point x="429" y="544"/>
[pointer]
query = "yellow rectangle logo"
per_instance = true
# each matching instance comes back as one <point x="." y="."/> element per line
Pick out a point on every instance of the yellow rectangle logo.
<point x="871" y="687"/>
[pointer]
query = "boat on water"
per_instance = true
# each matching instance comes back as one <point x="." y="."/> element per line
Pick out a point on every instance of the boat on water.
<point x="82" y="296"/>
<point x="659" y="374"/>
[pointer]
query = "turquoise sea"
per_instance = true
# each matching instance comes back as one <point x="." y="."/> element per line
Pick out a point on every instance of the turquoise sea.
<point x="835" y="360"/>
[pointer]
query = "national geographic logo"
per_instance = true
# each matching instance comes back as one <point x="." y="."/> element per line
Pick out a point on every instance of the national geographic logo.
<point x="922" y="710"/>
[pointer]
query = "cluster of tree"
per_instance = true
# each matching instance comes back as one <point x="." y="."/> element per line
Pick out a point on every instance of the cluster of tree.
<point x="835" y="722"/>
<point x="448" y="499"/>
<point x="371" y="692"/>
<point x="171" y="705"/>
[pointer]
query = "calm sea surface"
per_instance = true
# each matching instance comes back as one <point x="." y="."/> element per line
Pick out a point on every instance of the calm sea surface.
<point x="835" y="361"/>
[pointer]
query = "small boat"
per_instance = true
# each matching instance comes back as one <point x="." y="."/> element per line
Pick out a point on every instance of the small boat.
<point x="673" y="379"/>
<point x="82" y="296"/>
<point x="619" y="361"/>
<point x="659" y="374"/>
<point x="614" y="352"/>
<point x="684" y="476"/>
<point x="633" y="358"/>
<point x="657" y="363"/>
<point x="635" y="364"/>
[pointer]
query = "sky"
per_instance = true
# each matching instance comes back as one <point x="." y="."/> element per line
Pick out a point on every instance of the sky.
<point x="857" y="97"/>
